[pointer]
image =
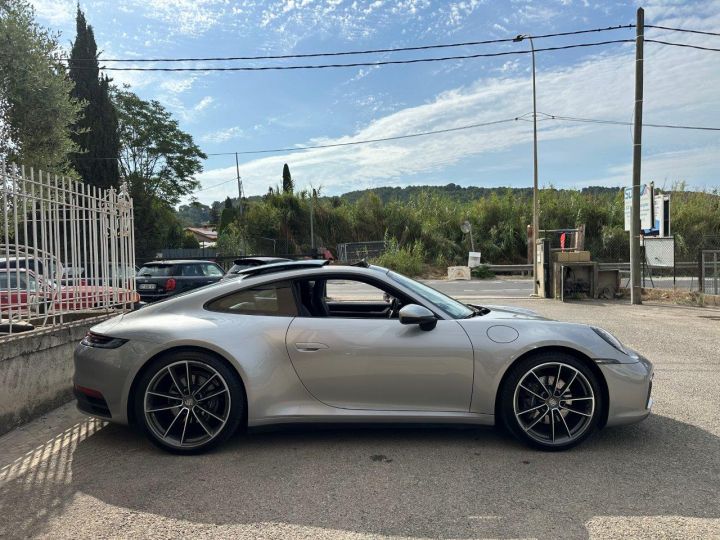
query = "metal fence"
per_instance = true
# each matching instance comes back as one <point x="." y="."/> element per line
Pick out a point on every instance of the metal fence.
<point x="353" y="252"/>
<point x="66" y="250"/>
<point x="710" y="271"/>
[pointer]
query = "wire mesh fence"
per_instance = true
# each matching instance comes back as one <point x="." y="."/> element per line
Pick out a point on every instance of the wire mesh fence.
<point x="710" y="271"/>
<point x="352" y="252"/>
<point x="65" y="248"/>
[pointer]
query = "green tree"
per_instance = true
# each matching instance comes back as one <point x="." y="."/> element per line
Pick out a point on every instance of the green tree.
<point x="154" y="150"/>
<point x="288" y="184"/>
<point x="36" y="108"/>
<point x="174" y="237"/>
<point x="189" y="241"/>
<point x="160" y="162"/>
<point x="96" y="132"/>
<point x="194" y="214"/>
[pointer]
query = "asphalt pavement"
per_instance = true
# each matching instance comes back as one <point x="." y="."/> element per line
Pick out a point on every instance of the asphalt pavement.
<point x="67" y="476"/>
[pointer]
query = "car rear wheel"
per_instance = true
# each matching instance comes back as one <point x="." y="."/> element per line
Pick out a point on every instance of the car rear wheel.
<point x="551" y="401"/>
<point x="189" y="402"/>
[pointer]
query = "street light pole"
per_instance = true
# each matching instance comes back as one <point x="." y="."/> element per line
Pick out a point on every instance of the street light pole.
<point x="535" y="218"/>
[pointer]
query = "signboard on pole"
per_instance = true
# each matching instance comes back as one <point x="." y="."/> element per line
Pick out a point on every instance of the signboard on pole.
<point x="662" y="215"/>
<point x="646" y="207"/>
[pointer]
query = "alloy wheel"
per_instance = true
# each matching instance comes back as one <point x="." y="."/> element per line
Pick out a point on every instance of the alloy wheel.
<point x="187" y="404"/>
<point x="554" y="403"/>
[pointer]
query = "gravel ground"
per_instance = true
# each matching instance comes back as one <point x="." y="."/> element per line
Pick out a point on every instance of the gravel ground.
<point x="66" y="476"/>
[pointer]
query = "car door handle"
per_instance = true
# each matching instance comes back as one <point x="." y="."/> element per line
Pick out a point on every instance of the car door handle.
<point x="310" y="347"/>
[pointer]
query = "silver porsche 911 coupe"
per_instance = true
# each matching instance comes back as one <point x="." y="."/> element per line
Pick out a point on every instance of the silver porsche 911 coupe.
<point x="310" y="342"/>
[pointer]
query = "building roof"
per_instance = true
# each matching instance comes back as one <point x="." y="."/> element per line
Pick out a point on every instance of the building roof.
<point x="210" y="234"/>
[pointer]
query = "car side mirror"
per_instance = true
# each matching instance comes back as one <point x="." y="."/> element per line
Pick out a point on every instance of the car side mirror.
<point x="415" y="314"/>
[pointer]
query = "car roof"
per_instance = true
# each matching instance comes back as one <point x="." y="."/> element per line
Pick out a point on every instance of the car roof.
<point x="299" y="269"/>
<point x="282" y="266"/>
<point x="178" y="261"/>
<point x="242" y="260"/>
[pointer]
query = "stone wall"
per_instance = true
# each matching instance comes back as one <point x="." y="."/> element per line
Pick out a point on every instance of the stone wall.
<point x="36" y="370"/>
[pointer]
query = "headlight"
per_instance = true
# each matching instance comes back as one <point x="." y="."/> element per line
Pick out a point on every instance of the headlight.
<point x="611" y="340"/>
<point x="99" y="341"/>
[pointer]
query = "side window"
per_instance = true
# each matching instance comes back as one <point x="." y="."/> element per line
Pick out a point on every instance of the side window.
<point x="343" y="297"/>
<point x="211" y="270"/>
<point x="271" y="299"/>
<point x="344" y="290"/>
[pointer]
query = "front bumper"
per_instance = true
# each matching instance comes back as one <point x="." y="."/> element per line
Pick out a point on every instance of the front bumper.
<point x="629" y="391"/>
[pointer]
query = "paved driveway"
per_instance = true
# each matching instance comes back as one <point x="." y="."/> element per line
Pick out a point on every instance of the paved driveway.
<point x="66" y="476"/>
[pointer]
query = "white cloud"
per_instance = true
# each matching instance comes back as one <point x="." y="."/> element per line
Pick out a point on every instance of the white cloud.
<point x="223" y="135"/>
<point x="55" y="12"/>
<point x="203" y="104"/>
<point x="178" y="86"/>
<point x="189" y="17"/>
<point x="680" y="87"/>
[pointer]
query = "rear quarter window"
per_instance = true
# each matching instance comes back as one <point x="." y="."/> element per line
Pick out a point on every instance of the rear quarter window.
<point x="270" y="299"/>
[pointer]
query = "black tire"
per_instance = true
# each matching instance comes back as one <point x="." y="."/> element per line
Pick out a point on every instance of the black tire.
<point x="575" y="418"/>
<point x="207" y="372"/>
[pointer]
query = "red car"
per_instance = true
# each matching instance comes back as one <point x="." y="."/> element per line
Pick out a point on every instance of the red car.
<point x="23" y="293"/>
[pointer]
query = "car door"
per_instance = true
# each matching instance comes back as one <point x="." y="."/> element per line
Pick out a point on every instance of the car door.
<point x="354" y="361"/>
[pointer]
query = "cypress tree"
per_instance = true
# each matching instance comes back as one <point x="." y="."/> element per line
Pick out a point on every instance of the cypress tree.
<point x="96" y="132"/>
<point x="288" y="184"/>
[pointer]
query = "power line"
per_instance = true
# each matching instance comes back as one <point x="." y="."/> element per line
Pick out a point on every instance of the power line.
<point x="215" y="185"/>
<point x="622" y="123"/>
<point x="522" y="117"/>
<point x="355" y="52"/>
<point x="686" y="30"/>
<point x="682" y="45"/>
<point x="361" y="64"/>
<point x="368" y="141"/>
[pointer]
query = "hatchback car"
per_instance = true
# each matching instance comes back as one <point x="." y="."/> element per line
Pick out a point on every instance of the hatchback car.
<point x="308" y="342"/>
<point x="158" y="280"/>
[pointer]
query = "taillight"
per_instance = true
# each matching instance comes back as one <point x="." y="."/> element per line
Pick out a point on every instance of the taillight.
<point x="170" y="284"/>
<point x="100" y="341"/>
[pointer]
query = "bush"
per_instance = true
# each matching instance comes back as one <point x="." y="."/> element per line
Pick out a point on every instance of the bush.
<point x="406" y="260"/>
<point x="482" y="272"/>
<point x="189" y="241"/>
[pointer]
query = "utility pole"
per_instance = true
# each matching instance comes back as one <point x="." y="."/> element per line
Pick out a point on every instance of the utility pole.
<point x="240" y="186"/>
<point x="240" y="201"/>
<point x="535" y="218"/>
<point x="312" y="221"/>
<point x="635" y="290"/>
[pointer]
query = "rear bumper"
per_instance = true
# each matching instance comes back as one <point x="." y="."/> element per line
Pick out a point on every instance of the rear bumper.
<point x="101" y="382"/>
<point x="629" y="389"/>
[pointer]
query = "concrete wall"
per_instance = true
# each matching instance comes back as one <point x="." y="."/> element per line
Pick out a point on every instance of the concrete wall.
<point x="36" y="371"/>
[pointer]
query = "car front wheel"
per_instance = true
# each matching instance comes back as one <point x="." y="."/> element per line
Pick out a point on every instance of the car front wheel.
<point x="189" y="402"/>
<point x="551" y="401"/>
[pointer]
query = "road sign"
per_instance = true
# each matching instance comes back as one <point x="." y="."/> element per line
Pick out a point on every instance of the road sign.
<point x="646" y="207"/>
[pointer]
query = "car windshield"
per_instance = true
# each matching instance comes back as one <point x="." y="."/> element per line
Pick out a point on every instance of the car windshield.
<point x="455" y="309"/>
<point x="156" y="270"/>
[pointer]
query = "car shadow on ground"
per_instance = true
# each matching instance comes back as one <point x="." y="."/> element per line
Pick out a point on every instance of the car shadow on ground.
<point x="429" y="482"/>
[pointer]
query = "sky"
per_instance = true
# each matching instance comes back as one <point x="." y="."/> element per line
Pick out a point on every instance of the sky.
<point x="228" y="112"/>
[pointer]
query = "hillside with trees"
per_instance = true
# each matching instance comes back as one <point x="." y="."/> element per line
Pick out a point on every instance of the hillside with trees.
<point x="423" y="222"/>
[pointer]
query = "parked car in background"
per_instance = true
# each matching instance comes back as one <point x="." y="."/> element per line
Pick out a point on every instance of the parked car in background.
<point x="244" y="263"/>
<point x="22" y="291"/>
<point x="158" y="280"/>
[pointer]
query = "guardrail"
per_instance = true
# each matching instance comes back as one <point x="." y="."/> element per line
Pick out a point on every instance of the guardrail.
<point x="511" y="268"/>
